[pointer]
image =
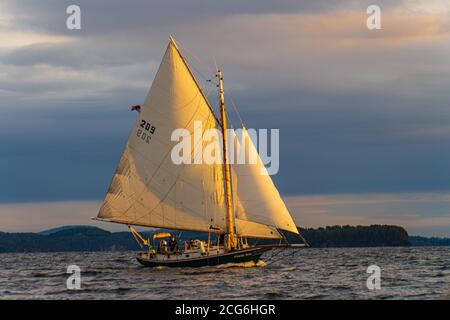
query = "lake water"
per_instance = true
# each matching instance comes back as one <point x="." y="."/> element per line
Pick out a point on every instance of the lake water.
<point x="337" y="273"/>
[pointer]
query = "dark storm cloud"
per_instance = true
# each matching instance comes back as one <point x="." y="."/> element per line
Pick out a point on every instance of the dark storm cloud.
<point x="105" y="16"/>
<point x="351" y="144"/>
<point x="51" y="153"/>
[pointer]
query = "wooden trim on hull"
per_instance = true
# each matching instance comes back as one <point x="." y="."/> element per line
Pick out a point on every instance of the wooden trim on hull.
<point x="240" y="256"/>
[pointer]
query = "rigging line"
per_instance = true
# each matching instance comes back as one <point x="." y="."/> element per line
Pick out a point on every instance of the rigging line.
<point x="272" y="257"/>
<point x="215" y="63"/>
<point x="207" y="80"/>
<point x="237" y="112"/>
<point x="233" y="104"/>
<point x="304" y="240"/>
<point x="194" y="79"/>
<point x="198" y="60"/>
<point x="210" y="92"/>
<point x="279" y="253"/>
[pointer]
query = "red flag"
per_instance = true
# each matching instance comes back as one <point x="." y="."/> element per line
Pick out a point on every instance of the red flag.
<point x="136" y="108"/>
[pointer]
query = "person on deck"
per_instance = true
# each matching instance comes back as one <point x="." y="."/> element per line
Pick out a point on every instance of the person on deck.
<point x="163" y="247"/>
<point x="173" y="244"/>
<point x="201" y="245"/>
<point x="192" y="244"/>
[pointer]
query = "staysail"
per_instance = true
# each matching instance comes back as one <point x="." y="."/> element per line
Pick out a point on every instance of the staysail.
<point x="256" y="197"/>
<point x="148" y="188"/>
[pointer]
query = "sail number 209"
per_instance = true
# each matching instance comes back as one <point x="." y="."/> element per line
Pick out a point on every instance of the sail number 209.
<point x="145" y="131"/>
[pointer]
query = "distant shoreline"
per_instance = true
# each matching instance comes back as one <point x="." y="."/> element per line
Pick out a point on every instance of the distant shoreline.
<point x="91" y="239"/>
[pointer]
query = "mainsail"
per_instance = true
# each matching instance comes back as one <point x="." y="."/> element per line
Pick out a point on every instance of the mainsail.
<point x="149" y="189"/>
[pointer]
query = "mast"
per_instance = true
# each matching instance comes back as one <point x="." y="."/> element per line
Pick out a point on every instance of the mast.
<point x="230" y="236"/>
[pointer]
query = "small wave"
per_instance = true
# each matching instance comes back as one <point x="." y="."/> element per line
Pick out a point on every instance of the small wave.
<point x="47" y="275"/>
<point x="273" y="295"/>
<point x="286" y="268"/>
<point x="90" y="273"/>
<point x="202" y="270"/>
<point x="446" y="296"/>
<point x="71" y="292"/>
<point x="161" y="268"/>
<point x="440" y="275"/>
<point x="339" y="288"/>
<point x="220" y="267"/>
<point x="248" y="264"/>
<point x="317" y="296"/>
<point x="261" y="263"/>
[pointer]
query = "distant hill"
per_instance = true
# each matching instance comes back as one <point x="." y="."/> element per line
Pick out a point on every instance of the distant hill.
<point x="57" y="229"/>
<point x="357" y="236"/>
<point x="88" y="238"/>
<point x="78" y="238"/>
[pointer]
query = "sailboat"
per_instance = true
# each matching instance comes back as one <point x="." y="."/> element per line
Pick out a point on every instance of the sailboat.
<point x="231" y="203"/>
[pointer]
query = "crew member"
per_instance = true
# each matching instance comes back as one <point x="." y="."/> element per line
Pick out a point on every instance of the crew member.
<point x="173" y="244"/>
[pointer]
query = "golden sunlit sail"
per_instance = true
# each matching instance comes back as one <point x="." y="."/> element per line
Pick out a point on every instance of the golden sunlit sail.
<point x="150" y="189"/>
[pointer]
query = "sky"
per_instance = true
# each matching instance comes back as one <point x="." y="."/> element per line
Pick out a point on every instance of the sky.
<point x="364" y="115"/>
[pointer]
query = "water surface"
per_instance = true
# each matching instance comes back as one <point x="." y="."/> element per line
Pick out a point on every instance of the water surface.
<point x="335" y="273"/>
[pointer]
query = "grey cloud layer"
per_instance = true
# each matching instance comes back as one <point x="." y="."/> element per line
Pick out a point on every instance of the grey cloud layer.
<point x="358" y="112"/>
<point x="105" y="16"/>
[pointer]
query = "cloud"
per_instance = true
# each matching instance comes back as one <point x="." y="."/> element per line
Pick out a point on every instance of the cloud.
<point x="358" y="110"/>
<point x="35" y="217"/>
<point x="108" y="16"/>
<point x="420" y="213"/>
<point x="309" y="47"/>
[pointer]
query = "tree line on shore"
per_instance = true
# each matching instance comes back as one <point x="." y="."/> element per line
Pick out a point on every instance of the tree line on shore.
<point x="87" y="238"/>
